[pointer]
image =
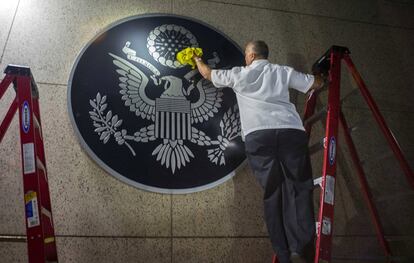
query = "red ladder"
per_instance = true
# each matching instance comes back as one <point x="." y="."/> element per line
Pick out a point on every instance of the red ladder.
<point x="330" y="63"/>
<point x="41" y="241"/>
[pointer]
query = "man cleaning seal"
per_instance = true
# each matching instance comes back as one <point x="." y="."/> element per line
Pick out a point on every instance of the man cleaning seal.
<point x="276" y="145"/>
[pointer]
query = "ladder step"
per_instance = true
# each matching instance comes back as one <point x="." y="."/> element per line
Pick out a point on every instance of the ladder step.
<point x="377" y="158"/>
<point x="394" y="196"/>
<point x="317" y="181"/>
<point x="37" y="126"/>
<point x="49" y="240"/>
<point x="350" y="94"/>
<point x="353" y="128"/>
<point x="316" y="117"/>
<point x="40" y="166"/>
<point x="47" y="213"/>
<point x="317" y="146"/>
<point x="357" y="126"/>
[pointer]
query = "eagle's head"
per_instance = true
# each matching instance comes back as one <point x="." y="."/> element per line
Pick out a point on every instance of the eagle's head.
<point x="173" y="87"/>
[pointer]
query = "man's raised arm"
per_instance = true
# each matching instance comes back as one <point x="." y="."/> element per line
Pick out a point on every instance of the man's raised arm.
<point x="203" y="68"/>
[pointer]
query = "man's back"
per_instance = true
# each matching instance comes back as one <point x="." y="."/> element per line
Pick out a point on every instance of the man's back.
<point x="262" y="91"/>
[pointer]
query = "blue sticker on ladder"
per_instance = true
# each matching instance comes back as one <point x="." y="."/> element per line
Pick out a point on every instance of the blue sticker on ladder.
<point x="29" y="209"/>
<point x="332" y="150"/>
<point x="25" y="117"/>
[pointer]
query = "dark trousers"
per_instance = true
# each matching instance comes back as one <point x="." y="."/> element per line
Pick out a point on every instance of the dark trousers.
<point x="280" y="161"/>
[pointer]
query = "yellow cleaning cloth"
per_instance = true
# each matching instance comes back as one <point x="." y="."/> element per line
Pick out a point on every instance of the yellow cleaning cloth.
<point x="186" y="55"/>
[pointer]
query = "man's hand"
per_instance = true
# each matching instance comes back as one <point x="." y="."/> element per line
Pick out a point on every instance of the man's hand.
<point x="319" y="82"/>
<point x="203" y="68"/>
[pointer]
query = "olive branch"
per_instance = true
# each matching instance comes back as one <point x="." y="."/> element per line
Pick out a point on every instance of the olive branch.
<point x="230" y="129"/>
<point x="107" y="124"/>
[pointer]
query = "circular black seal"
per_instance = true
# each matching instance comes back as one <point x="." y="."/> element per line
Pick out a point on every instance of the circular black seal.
<point x="148" y="120"/>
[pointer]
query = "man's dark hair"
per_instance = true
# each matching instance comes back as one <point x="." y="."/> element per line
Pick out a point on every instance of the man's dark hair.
<point x="260" y="48"/>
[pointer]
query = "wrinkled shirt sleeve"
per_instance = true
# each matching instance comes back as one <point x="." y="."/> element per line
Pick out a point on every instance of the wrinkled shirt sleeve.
<point x="300" y="81"/>
<point x="222" y="78"/>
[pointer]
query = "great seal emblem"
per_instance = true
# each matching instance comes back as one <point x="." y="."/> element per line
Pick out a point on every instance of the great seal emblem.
<point x="148" y="120"/>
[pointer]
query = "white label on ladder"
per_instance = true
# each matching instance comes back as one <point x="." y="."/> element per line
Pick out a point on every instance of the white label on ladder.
<point x="326" y="226"/>
<point x="329" y="189"/>
<point x="32" y="211"/>
<point x="29" y="165"/>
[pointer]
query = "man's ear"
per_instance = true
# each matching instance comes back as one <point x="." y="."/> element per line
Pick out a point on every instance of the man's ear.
<point x="251" y="56"/>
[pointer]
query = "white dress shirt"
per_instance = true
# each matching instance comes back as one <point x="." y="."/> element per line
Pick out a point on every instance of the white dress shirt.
<point x="262" y="91"/>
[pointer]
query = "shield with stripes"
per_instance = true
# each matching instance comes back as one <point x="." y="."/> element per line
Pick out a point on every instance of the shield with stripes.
<point x="173" y="118"/>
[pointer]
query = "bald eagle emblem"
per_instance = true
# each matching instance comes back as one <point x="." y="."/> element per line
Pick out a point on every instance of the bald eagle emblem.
<point x="183" y="103"/>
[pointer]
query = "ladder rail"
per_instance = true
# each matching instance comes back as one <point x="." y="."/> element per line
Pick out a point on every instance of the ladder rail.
<point x="31" y="191"/>
<point x="327" y="195"/>
<point x="4" y="84"/>
<point x="8" y="118"/>
<point x="365" y="188"/>
<point x="392" y="142"/>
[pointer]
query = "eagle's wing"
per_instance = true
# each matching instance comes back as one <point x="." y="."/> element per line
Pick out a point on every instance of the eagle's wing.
<point x="133" y="83"/>
<point x="208" y="103"/>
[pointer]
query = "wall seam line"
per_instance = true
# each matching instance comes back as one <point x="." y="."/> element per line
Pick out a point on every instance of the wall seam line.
<point x="8" y="34"/>
<point x="313" y="15"/>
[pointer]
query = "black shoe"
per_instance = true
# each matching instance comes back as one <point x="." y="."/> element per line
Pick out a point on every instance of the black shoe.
<point x="296" y="258"/>
<point x="308" y="253"/>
